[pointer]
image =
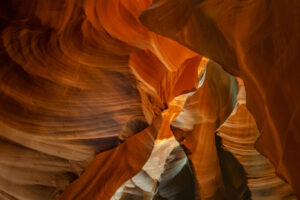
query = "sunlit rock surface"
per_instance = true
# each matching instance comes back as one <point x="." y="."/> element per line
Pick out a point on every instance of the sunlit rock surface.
<point x="239" y="133"/>
<point x="166" y="162"/>
<point x="195" y="127"/>
<point x="258" y="41"/>
<point x="113" y="99"/>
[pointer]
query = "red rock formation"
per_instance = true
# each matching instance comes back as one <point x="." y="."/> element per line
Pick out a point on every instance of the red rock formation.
<point x="67" y="91"/>
<point x="257" y="41"/>
<point x="195" y="127"/>
<point x="87" y="90"/>
<point x="239" y="133"/>
<point x="110" y="169"/>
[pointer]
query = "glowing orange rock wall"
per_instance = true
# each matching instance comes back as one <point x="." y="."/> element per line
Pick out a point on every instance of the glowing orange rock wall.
<point x="195" y="127"/>
<point x="72" y="86"/>
<point x="239" y="133"/>
<point x="88" y="93"/>
<point x="257" y="41"/>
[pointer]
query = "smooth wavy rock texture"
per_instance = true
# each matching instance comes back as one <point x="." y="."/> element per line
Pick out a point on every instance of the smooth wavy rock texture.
<point x="139" y="99"/>
<point x="257" y="41"/>
<point x="203" y="112"/>
<point x="239" y="133"/>
<point x="166" y="163"/>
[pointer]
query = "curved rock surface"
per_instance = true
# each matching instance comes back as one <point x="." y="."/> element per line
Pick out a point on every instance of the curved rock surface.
<point x="195" y="127"/>
<point x="71" y="87"/>
<point x="93" y="94"/>
<point x="257" y="41"/>
<point x="239" y="133"/>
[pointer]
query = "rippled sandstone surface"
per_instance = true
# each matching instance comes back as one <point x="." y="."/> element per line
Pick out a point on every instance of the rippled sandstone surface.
<point x="114" y="99"/>
<point x="257" y="41"/>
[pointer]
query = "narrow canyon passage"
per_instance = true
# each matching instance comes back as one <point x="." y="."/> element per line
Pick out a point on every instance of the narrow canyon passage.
<point x="150" y="100"/>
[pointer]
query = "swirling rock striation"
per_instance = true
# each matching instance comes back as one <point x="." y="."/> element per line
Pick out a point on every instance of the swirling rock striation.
<point x="239" y="133"/>
<point x="90" y="99"/>
<point x="257" y="41"/>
